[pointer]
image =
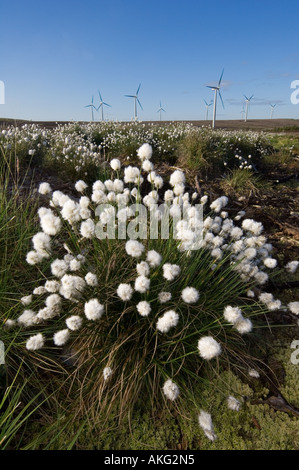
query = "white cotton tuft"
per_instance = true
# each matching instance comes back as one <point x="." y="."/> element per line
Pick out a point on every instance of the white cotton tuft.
<point x="107" y="372"/>
<point x="270" y="263"/>
<point x="190" y="295"/>
<point x="177" y="177"/>
<point x="74" y="322"/>
<point x="169" y="320"/>
<point x="142" y="284"/>
<point x="153" y="258"/>
<point x="145" y="152"/>
<point x="134" y="248"/>
<point x="171" y="271"/>
<point x="292" y="266"/>
<point x="164" y="297"/>
<point x="125" y="292"/>
<point x="80" y="186"/>
<point x="115" y="164"/>
<point x="91" y="280"/>
<point x="144" y="308"/>
<point x="143" y="269"/>
<point x="243" y="326"/>
<point x="208" y="347"/>
<point x="44" y="188"/>
<point x="171" y="390"/>
<point x="205" y="422"/>
<point x="61" y="337"/>
<point x="232" y="314"/>
<point x="294" y="307"/>
<point x="93" y="310"/>
<point x="233" y="403"/>
<point x="26" y="300"/>
<point x="87" y="228"/>
<point x="35" y="342"/>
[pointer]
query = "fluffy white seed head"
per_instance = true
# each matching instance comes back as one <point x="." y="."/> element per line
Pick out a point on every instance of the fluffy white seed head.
<point x="91" y="279"/>
<point x="74" y="322"/>
<point x="144" y="308"/>
<point x="171" y="390"/>
<point x="164" y="297"/>
<point x="35" y="342"/>
<point x="93" y="310"/>
<point x="205" y="422"/>
<point x="208" y="347"/>
<point x="169" y="320"/>
<point x="115" y="164"/>
<point x="190" y="295"/>
<point x="80" y="186"/>
<point x="142" y="284"/>
<point x="134" y="248"/>
<point x="44" y="188"/>
<point x="61" y="337"/>
<point x="233" y="403"/>
<point x="171" y="271"/>
<point x="232" y="314"/>
<point x="153" y="258"/>
<point x="107" y="372"/>
<point x="125" y="292"/>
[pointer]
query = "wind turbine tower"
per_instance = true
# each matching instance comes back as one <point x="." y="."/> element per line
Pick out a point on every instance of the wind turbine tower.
<point x="272" y="109"/>
<point x="160" y="111"/>
<point x="92" y="106"/>
<point x="207" y="109"/>
<point x="247" y="105"/>
<point x="102" y="104"/>
<point x="216" y="89"/>
<point x="136" y="100"/>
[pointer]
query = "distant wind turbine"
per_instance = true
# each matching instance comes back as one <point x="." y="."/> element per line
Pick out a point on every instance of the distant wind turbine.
<point x="207" y="108"/>
<point x="216" y="90"/>
<point x="102" y="104"/>
<point x="136" y="100"/>
<point x="272" y="109"/>
<point x="160" y="110"/>
<point x="92" y="106"/>
<point x="247" y="104"/>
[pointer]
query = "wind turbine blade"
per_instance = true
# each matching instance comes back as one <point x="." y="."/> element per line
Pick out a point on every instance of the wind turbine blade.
<point x="100" y="95"/>
<point x="220" y="78"/>
<point x="139" y="104"/>
<point x="251" y="97"/>
<point x="206" y="102"/>
<point x="130" y="96"/>
<point x="106" y="104"/>
<point x="221" y="99"/>
<point x="246" y="97"/>
<point x="212" y="87"/>
<point x="138" y="89"/>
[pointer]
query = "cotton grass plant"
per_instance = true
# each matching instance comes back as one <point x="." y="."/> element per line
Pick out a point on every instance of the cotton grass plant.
<point x="145" y="318"/>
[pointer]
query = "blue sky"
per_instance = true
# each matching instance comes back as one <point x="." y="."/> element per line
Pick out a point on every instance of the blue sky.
<point x="55" y="55"/>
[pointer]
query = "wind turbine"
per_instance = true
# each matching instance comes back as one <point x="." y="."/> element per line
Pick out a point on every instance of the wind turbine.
<point x="216" y="90"/>
<point x="160" y="110"/>
<point x="272" y="109"/>
<point x="247" y="104"/>
<point x="102" y="104"/>
<point x="207" y="108"/>
<point x="135" y="101"/>
<point x="92" y="106"/>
